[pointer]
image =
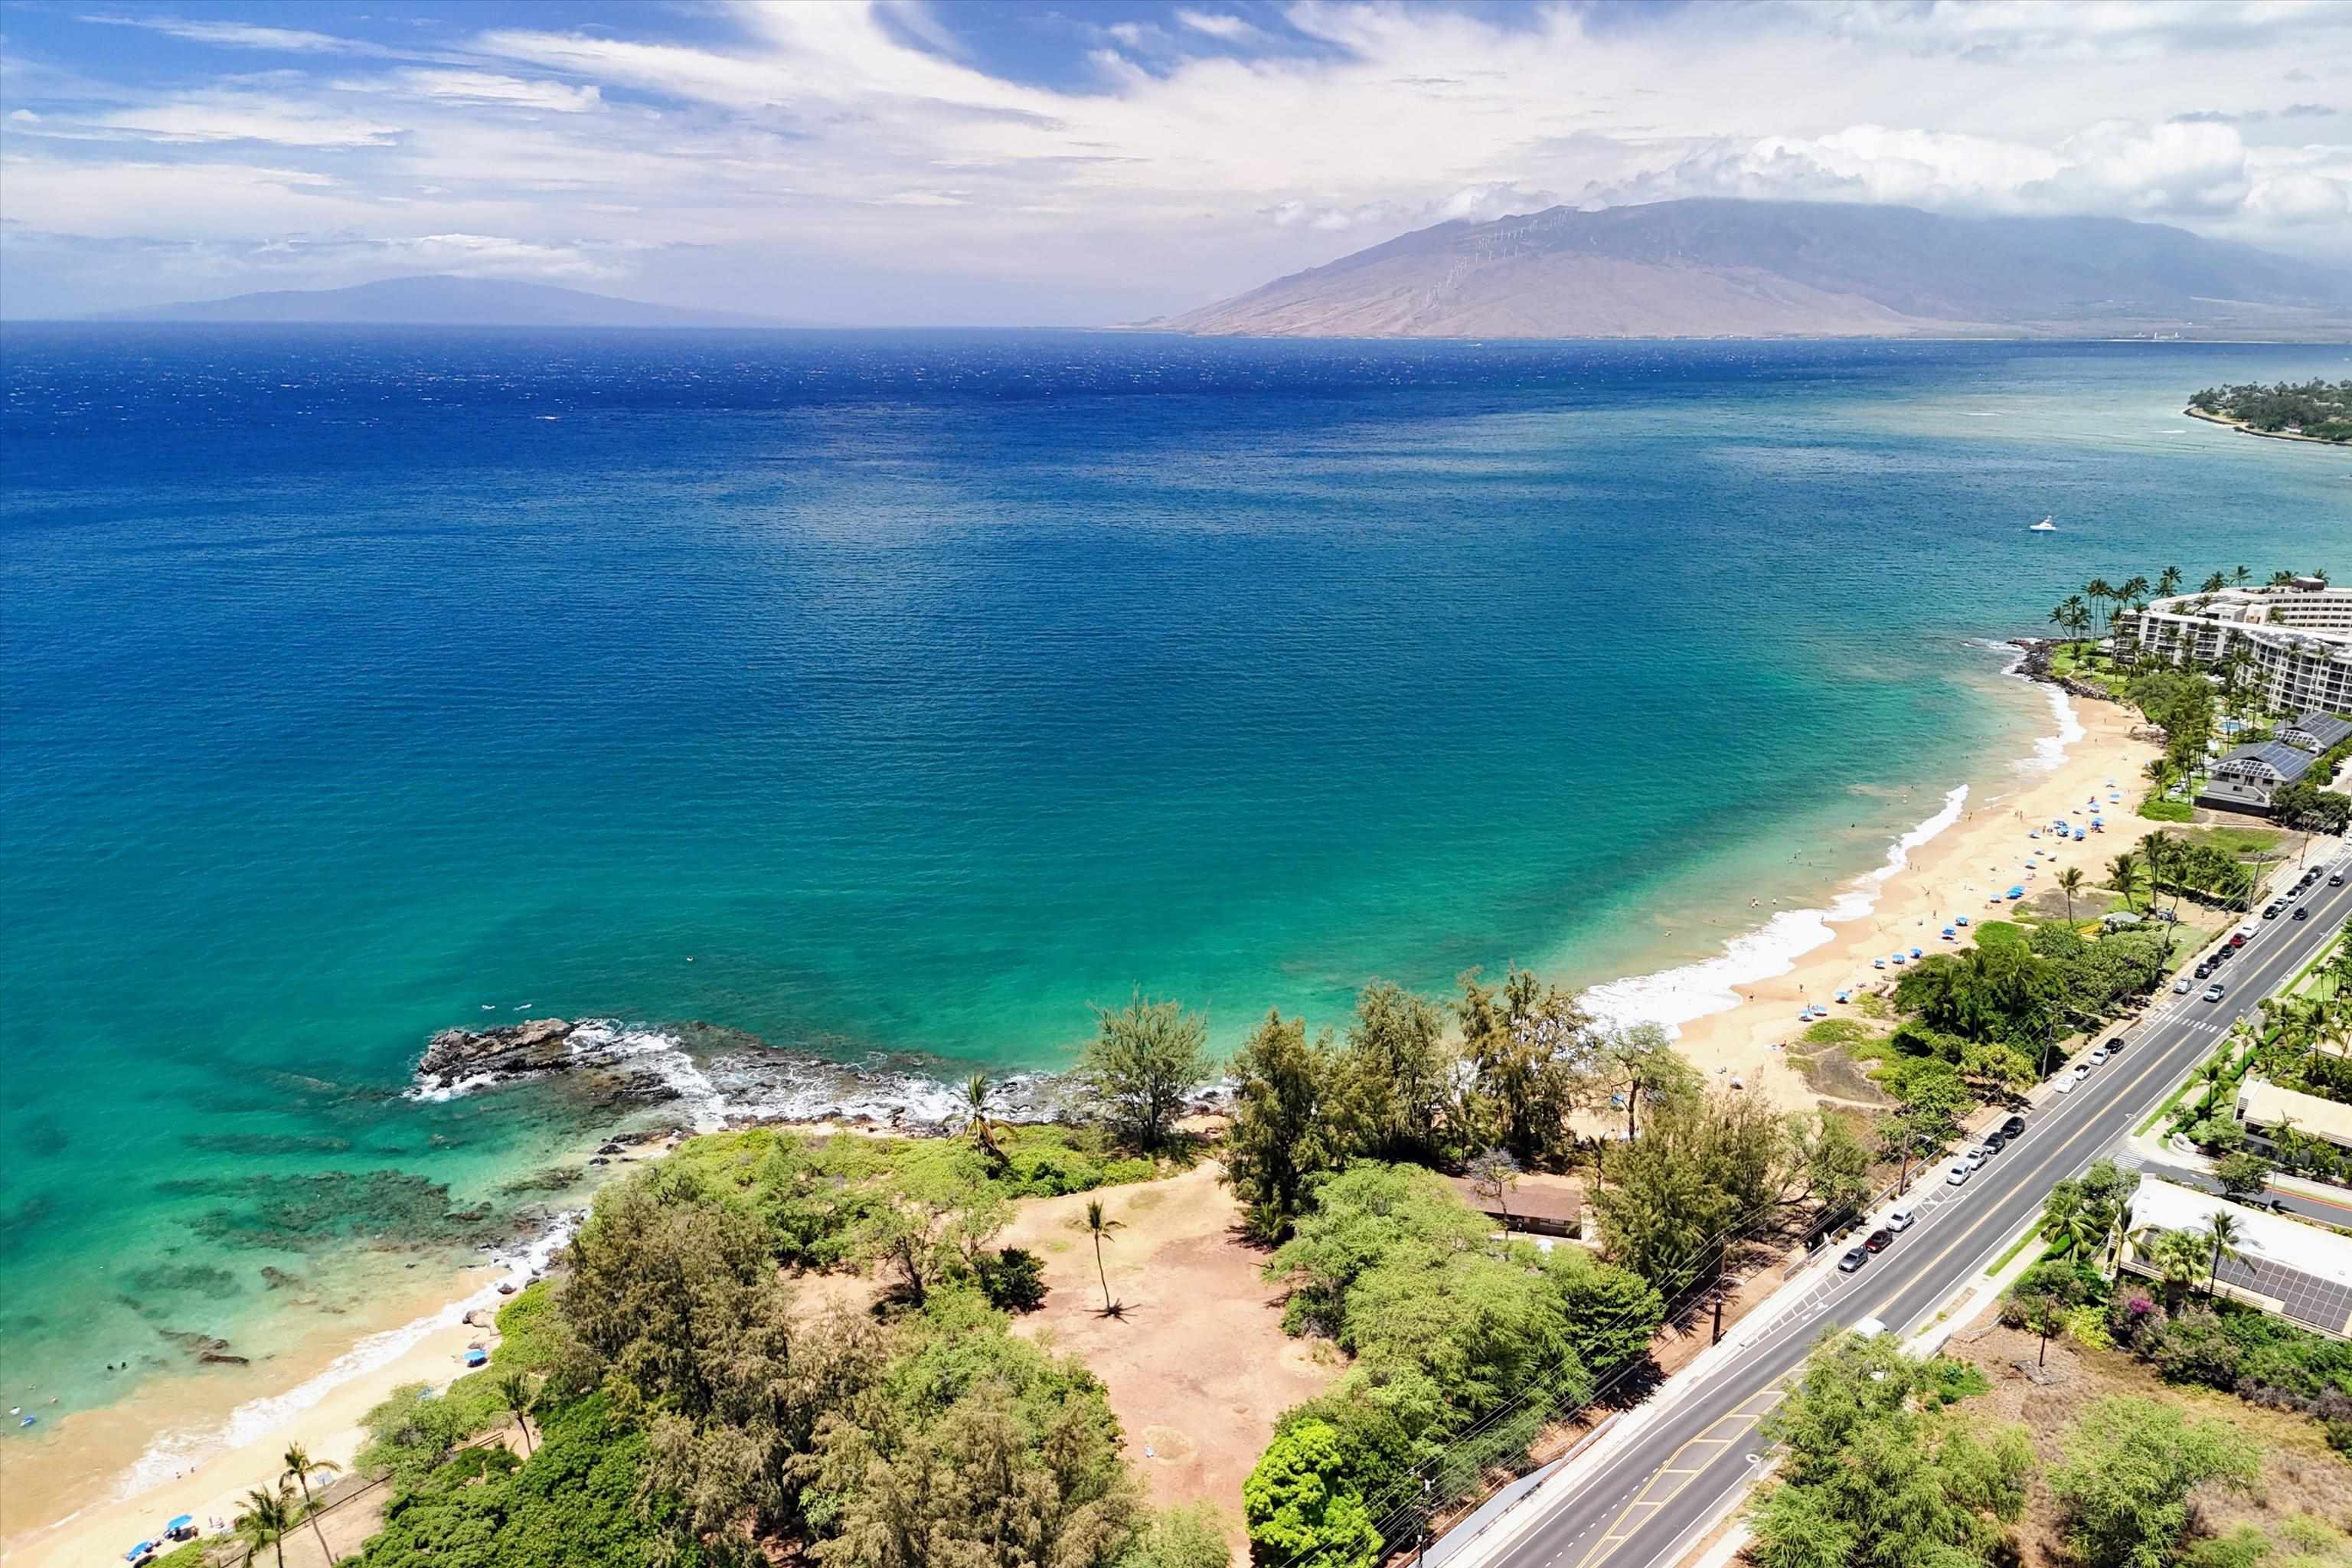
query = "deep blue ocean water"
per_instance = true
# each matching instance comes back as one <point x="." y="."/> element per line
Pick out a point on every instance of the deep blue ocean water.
<point x="923" y="689"/>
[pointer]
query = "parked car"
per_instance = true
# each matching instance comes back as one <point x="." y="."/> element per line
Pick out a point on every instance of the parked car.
<point x="2272" y="913"/>
<point x="2098" y="1054"/>
<point x="2114" y="1048"/>
<point x="1994" y="1143"/>
<point x="2213" y="992"/>
<point x="1901" y="1219"/>
<point x="2238" y="939"/>
<point x="2014" y="1128"/>
<point x="2081" y="1071"/>
<point x="1855" y="1258"/>
<point x="2066" y="1084"/>
<point x="1974" y="1158"/>
<point x="1958" y="1176"/>
<point x="2181" y="986"/>
<point x="1880" y="1240"/>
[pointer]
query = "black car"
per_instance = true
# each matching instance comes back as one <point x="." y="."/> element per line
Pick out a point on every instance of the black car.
<point x="2205" y="969"/>
<point x="1880" y="1240"/>
<point x="2336" y="881"/>
<point x="2270" y="913"/>
<point x="2114" y="1048"/>
<point x="2303" y="914"/>
<point x="1855" y="1258"/>
<point x="2014" y="1128"/>
<point x="1993" y="1143"/>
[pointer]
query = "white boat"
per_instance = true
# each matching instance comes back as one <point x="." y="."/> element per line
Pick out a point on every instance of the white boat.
<point x="2044" y="526"/>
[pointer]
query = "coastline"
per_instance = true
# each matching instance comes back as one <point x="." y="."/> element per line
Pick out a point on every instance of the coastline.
<point x="1730" y="1011"/>
<point x="2243" y="429"/>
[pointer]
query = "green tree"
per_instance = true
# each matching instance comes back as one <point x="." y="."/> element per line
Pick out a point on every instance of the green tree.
<point x="1189" y="1535"/>
<point x="2070" y="882"/>
<point x="2132" y="1468"/>
<point x="1100" y="1226"/>
<point x="1833" y="1161"/>
<point x="978" y="1121"/>
<point x="1612" y="1314"/>
<point x="1362" y="1216"/>
<point x="1870" y="1477"/>
<point x="1144" y="1060"/>
<point x="1494" y="1175"/>
<point x="1397" y="1077"/>
<point x="299" y="1468"/>
<point x="1639" y="1063"/>
<point x="1301" y="1511"/>
<point x="264" y="1523"/>
<point x="515" y="1393"/>
<point x="1282" y="1136"/>
<point x="1705" y="1170"/>
<point x="2222" y="1234"/>
<point x="2243" y="1174"/>
<point x="1527" y="1048"/>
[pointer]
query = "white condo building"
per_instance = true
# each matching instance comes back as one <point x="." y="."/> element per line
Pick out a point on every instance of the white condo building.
<point x="2297" y="635"/>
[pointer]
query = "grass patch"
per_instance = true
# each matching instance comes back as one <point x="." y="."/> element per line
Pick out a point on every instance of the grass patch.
<point x="2009" y="1257"/>
<point x="2243" y="842"/>
<point x="1838" y="1032"/>
<point x="1999" y="934"/>
<point x="2156" y="808"/>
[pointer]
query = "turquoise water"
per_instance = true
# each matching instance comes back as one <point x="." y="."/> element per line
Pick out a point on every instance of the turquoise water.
<point x="922" y="688"/>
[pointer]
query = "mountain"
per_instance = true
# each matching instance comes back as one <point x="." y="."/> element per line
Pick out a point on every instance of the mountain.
<point x="440" y="300"/>
<point x="1743" y="268"/>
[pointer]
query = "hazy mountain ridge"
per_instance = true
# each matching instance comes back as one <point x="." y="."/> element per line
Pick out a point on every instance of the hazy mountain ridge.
<point x="1739" y="269"/>
<point x="440" y="300"/>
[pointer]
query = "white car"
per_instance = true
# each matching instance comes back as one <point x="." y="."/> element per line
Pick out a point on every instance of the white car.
<point x="1974" y="1158"/>
<point x="2098" y="1055"/>
<point x="1958" y="1176"/>
<point x="2083" y="1071"/>
<point x="1902" y="1219"/>
<point x="2066" y="1084"/>
<point x="2181" y="987"/>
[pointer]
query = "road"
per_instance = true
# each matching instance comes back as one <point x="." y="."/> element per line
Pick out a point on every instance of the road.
<point x="1649" y="1502"/>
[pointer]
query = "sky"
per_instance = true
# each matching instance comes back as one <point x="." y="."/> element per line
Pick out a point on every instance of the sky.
<point x="975" y="162"/>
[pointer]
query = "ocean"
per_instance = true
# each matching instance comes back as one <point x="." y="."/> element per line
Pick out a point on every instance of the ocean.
<point x="897" y="696"/>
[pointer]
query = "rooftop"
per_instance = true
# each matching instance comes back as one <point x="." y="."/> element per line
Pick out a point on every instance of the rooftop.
<point x="2265" y="1104"/>
<point x="2314" y="1289"/>
<point x="2327" y="729"/>
<point x="2292" y="762"/>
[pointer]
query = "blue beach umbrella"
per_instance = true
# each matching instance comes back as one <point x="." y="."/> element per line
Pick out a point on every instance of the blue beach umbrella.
<point x="179" y="1525"/>
<point x="136" y="1553"/>
<point x="2017" y="892"/>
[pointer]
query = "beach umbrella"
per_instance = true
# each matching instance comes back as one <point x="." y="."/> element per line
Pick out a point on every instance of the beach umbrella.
<point x="181" y="1523"/>
<point x="2017" y="892"/>
<point x="136" y="1553"/>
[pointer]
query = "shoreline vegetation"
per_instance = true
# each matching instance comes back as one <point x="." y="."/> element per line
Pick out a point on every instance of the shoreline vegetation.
<point x="2315" y="411"/>
<point x="1322" y="1137"/>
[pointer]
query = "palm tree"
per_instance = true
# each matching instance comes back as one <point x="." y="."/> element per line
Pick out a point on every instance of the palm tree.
<point x="2125" y="869"/>
<point x="2214" y="1070"/>
<point x="2070" y="882"/>
<point x="2222" y="1231"/>
<point x="2098" y="590"/>
<point x="983" y="1128"/>
<point x="264" y="1522"/>
<point x="515" y="1389"/>
<point x="2078" y="620"/>
<point x="299" y="1468"/>
<point x="2240" y="576"/>
<point x="2135" y="587"/>
<point x="2168" y="583"/>
<point x="1099" y="1226"/>
<point x="2176" y="1256"/>
<point x="2215" y="584"/>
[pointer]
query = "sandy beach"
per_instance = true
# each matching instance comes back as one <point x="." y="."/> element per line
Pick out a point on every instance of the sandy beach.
<point x="1980" y="852"/>
<point x="1958" y="871"/>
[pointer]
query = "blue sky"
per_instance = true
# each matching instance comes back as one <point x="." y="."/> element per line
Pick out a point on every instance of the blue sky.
<point x="894" y="161"/>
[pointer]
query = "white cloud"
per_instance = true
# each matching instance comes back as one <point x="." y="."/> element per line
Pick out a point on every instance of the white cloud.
<point x="244" y="117"/>
<point x="1217" y="24"/>
<point x="484" y="88"/>
<point x="240" y="34"/>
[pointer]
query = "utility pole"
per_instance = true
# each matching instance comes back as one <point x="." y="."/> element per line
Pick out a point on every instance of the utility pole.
<point x="1421" y="1556"/>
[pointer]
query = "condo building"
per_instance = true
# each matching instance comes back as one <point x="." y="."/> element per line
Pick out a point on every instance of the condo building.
<point x="2296" y="639"/>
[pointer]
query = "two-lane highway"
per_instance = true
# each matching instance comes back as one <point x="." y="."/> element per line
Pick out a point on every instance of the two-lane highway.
<point x="1644" y="1505"/>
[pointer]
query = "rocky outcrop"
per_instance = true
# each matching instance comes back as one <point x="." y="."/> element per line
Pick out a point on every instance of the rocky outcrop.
<point x="2035" y="665"/>
<point x="591" y="1056"/>
<point x="518" y="1051"/>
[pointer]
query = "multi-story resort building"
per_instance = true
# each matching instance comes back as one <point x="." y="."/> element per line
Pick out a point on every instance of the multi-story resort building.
<point x="2296" y="639"/>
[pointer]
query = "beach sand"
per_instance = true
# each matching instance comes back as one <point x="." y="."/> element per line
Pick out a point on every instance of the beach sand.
<point x="57" y="1499"/>
<point x="76" y="1473"/>
<point x="1982" y="853"/>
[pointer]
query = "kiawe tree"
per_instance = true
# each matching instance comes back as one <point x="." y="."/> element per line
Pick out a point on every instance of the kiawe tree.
<point x="1143" y="1062"/>
<point x="1282" y="1136"/>
<point x="1301" y="1510"/>
<point x="1528" y="1048"/>
<point x="2132" y="1469"/>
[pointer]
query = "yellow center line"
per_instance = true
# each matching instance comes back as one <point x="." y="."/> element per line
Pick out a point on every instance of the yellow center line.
<point x="1607" y="1546"/>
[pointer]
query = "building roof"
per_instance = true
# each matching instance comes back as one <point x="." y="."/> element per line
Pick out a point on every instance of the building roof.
<point x="2265" y="1104"/>
<point x="2327" y="729"/>
<point x="1534" y="1197"/>
<point x="2290" y="761"/>
<point x="2301" y="1272"/>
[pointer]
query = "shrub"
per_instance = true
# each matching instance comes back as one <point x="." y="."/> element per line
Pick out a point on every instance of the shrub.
<point x="1013" y="1280"/>
<point x="1301" y="1510"/>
